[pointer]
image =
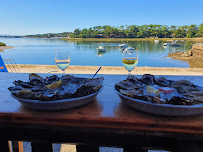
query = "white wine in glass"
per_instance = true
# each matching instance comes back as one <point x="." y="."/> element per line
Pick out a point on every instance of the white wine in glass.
<point x="62" y="59"/>
<point x="130" y="60"/>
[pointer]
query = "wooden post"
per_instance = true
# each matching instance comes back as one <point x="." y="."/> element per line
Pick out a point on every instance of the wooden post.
<point x="17" y="146"/>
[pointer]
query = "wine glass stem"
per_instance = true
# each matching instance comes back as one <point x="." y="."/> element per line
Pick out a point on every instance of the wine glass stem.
<point x="129" y="73"/>
<point x="64" y="72"/>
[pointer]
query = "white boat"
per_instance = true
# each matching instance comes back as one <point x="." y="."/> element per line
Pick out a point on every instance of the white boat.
<point x="156" y="41"/>
<point x="101" y="49"/>
<point x="123" y="45"/>
<point x="174" y="43"/>
<point x="129" y="48"/>
<point x="166" y="44"/>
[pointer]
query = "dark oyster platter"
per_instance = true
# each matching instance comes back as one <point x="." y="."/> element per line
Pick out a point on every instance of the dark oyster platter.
<point x="56" y="93"/>
<point x="161" y="96"/>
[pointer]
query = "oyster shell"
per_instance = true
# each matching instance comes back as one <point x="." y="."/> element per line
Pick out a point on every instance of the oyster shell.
<point x="148" y="79"/>
<point x="34" y="77"/>
<point x="51" y="79"/>
<point x="128" y="85"/>
<point x="163" y="82"/>
<point x="183" y="86"/>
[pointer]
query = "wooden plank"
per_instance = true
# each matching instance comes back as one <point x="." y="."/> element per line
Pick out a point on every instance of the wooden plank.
<point x="17" y="146"/>
<point x="41" y="147"/>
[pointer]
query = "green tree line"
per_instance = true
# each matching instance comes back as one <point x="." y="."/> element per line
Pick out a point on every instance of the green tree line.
<point x="135" y="31"/>
<point x="49" y="35"/>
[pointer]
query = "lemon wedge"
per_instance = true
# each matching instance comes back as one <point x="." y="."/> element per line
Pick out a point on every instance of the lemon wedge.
<point x="54" y="85"/>
<point x="152" y="90"/>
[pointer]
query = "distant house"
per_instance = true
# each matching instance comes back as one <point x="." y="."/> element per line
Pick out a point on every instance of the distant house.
<point x="100" y="35"/>
<point x="112" y="35"/>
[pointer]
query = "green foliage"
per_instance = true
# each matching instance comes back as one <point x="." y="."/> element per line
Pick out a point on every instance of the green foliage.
<point x="200" y="31"/>
<point x="135" y="31"/>
<point x="49" y="35"/>
<point x="2" y="44"/>
<point x="132" y="31"/>
<point x="192" y="31"/>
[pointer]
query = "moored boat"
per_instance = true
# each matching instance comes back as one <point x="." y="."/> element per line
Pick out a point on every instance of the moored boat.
<point x="101" y="49"/>
<point x="165" y="44"/>
<point x="123" y="45"/>
<point x="174" y="43"/>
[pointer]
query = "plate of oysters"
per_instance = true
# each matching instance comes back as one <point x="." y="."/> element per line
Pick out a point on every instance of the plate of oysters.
<point x="54" y="92"/>
<point x="161" y="96"/>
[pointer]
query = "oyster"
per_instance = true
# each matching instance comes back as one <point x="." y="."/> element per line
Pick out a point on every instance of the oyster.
<point x="134" y="79"/>
<point x="148" y="79"/>
<point x="183" y="86"/>
<point x="55" y="88"/>
<point x="34" y="77"/>
<point x="163" y="82"/>
<point x="51" y="79"/>
<point x="128" y="85"/>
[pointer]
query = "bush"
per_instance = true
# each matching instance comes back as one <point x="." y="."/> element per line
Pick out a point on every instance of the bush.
<point x="2" y="44"/>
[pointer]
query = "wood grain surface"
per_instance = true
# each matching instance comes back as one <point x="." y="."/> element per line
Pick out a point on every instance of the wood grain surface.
<point x="105" y="112"/>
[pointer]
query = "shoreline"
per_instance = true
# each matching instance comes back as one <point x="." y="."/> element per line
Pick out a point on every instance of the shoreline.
<point x="133" y="39"/>
<point x="117" y="70"/>
<point x="6" y="47"/>
<point x="194" y="56"/>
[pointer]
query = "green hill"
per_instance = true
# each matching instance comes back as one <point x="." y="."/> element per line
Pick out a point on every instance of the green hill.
<point x="2" y="44"/>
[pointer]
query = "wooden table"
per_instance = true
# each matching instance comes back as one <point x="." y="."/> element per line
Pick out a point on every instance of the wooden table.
<point x="106" y="121"/>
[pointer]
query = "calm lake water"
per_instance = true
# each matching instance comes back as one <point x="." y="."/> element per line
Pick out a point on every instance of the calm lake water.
<point x="41" y="51"/>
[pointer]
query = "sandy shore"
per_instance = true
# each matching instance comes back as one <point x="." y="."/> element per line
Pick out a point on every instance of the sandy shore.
<point x="108" y="70"/>
<point x="6" y="47"/>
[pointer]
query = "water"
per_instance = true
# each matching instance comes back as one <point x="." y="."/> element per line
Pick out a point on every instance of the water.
<point x="41" y="51"/>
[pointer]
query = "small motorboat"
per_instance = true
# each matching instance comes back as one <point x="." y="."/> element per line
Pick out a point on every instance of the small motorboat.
<point x="156" y="41"/>
<point x="166" y="44"/>
<point x="123" y="45"/>
<point x="174" y="43"/>
<point x="130" y="48"/>
<point x="101" y="49"/>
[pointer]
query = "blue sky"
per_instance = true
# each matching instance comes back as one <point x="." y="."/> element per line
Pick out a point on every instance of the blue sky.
<point x="21" y="17"/>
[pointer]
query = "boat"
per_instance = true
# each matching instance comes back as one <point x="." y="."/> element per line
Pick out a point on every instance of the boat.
<point x="174" y="43"/>
<point x="166" y="44"/>
<point x="101" y="49"/>
<point x="123" y="45"/>
<point x="156" y="41"/>
<point x="129" y="48"/>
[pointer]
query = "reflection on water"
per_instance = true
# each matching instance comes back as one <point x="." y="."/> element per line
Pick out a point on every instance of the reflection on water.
<point x="100" y="53"/>
<point x="41" y="51"/>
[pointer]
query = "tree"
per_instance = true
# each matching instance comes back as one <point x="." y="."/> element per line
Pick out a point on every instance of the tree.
<point x="132" y="31"/>
<point x="179" y="33"/>
<point x="192" y="31"/>
<point x="200" y="31"/>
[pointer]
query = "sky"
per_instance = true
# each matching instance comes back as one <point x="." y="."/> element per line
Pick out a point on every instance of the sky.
<point x="22" y="17"/>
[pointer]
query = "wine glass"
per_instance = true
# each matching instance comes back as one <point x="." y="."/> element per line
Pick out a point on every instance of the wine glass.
<point x="62" y="59"/>
<point x="130" y="59"/>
